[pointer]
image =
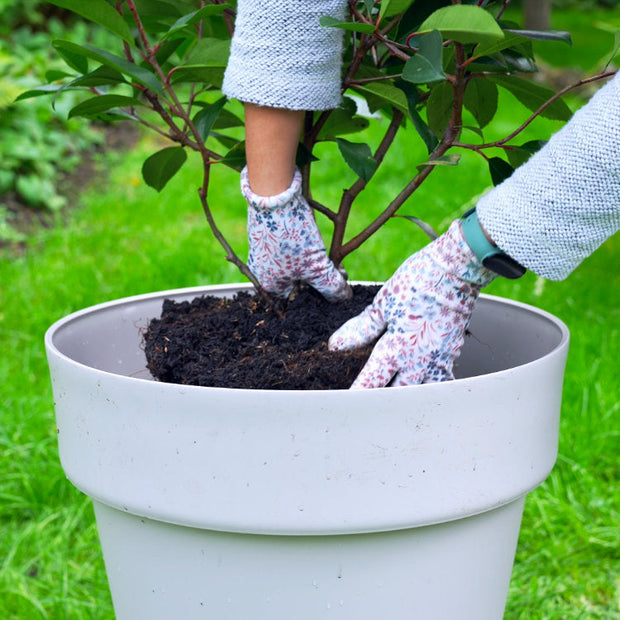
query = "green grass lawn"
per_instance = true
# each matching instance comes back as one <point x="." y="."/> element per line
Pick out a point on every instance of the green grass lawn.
<point x="125" y="239"/>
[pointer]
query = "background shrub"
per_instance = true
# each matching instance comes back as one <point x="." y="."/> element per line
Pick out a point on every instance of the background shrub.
<point x="38" y="143"/>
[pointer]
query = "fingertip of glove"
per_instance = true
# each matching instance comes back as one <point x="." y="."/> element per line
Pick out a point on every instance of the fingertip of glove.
<point x="342" y="293"/>
<point x="280" y="292"/>
<point x="336" y="343"/>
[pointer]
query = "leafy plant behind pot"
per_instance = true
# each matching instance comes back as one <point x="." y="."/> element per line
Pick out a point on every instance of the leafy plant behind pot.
<point x="416" y="64"/>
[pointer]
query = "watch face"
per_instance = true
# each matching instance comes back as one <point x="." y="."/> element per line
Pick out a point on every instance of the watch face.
<point x="504" y="265"/>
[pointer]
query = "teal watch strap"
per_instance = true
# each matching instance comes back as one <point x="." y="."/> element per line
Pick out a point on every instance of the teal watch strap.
<point x="475" y="237"/>
<point x="489" y="255"/>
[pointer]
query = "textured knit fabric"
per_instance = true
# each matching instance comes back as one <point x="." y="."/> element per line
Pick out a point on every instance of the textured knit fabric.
<point x="282" y="57"/>
<point x="557" y="208"/>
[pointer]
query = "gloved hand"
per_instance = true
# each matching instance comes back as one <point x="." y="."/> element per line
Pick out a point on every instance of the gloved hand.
<point x="424" y="309"/>
<point x="286" y="246"/>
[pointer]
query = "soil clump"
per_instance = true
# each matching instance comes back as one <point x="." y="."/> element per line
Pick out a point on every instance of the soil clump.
<point x="243" y="343"/>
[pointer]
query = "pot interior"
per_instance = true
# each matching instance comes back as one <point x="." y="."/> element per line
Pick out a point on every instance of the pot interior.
<point x="503" y="334"/>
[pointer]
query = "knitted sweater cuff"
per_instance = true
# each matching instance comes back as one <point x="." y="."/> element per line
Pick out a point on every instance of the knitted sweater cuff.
<point x="282" y="57"/>
<point x="564" y="202"/>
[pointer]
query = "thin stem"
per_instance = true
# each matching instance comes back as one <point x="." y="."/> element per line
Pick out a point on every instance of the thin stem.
<point x="230" y="253"/>
<point x="229" y="17"/>
<point x="181" y="136"/>
<point x="362" y="19"/>
<point x="336" y="252"/>
<point x="542" y="108"/>
<point x="449" y="137"/>
<point x="321" y="208"/>
<point x="505" y="4"/>
<point x="140" y="26"/>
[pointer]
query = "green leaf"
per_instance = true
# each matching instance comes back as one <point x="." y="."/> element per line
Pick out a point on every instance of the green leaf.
<point x="304" y="156"/>
<point x="40" y="91"/>
<point x="475" y="130"/>
<point x="159" y="168"/>
<point x="419" y="70"/>
<point x="358" y="157"/>
<point x="518" y="155"/>
<point x="225" y="141"/>
<point x="500" y="170"/>
<point x="519" y="62"/>
<point x="331" y="22"/>
<point x="138" y="74"/>
<point x="393" y="7"/>
<point x="7" y="179"/>
<point x="159" y="8"/>
<point x="427" y="64"/>
<point x="210" y="52"/>
<point x="227" y="119"/>
<point x="53" y="75"/>
<point x="100" y="12"/>
<point x="481" y="100"/>
<point x="493" y="47"/>
<point x="212" y="76"/>
<point x="343" y="120"/>
<point x="411" y="92"/>
<point x="532" y="96"/>
<point x="616" y="45"/>
<point x="425" y="226"/>
<point x="452" y="159"/>
<point x="381" y="93"/>
<point x="235" y="158"/>
<point x="102" y="103"/>
<point x="34" y="189"/>
<point x="439" y="108"/>
<point x="431" y="47"/>
<point x="205" y="119"/>
<point x="463" y="23"/>
<point x="194" y="17"/>
<point x="544" y="35"/>
<point x="101" y="76"/>
<point x="76" y="60"/>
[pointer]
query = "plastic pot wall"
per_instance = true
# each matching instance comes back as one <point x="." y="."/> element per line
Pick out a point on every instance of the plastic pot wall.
<point x="233" y="504"/>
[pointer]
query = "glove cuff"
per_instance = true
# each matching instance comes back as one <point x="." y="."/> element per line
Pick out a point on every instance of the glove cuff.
<point x="270" y="202"/>
<point x="455" y="256"/>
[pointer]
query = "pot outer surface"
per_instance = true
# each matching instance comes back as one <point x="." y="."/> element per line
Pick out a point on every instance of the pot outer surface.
<point x="306" y="462"/>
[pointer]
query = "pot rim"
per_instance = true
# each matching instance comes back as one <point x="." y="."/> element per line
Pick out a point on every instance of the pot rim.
<point x="224" y="288"/>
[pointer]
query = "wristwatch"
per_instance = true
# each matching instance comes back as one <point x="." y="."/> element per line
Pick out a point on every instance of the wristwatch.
<point x="487" y="253"/>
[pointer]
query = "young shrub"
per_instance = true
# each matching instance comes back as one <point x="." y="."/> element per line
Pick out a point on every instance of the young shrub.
<point x="420" y="66"/>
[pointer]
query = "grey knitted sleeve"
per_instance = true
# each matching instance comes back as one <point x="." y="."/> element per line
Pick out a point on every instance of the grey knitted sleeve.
<point x="282" y="57"/>
<point x="564" y="202"/>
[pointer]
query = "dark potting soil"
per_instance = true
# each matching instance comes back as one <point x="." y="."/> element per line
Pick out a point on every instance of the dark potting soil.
<point x="242" y="343"/>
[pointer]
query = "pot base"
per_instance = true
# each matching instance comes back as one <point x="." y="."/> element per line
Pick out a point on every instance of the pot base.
<point x="456" y="570"/>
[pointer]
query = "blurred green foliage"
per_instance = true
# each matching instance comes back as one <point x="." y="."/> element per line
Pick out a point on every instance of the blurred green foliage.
<point x="38" y="142"/>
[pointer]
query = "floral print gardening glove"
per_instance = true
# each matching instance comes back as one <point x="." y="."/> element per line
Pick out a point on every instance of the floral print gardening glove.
<point x="422" y="312"/>
<point x="286" y="246"/>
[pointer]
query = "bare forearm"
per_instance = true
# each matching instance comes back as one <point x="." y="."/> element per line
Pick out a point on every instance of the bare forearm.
<point x="272" y="136"/>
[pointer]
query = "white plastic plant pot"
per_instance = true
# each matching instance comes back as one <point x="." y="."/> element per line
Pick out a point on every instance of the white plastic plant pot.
<point x="271" y="505"/>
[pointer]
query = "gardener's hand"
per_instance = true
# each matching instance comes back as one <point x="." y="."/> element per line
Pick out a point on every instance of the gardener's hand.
<point x="286" y="246"/>
<point x="422" y="312"/>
